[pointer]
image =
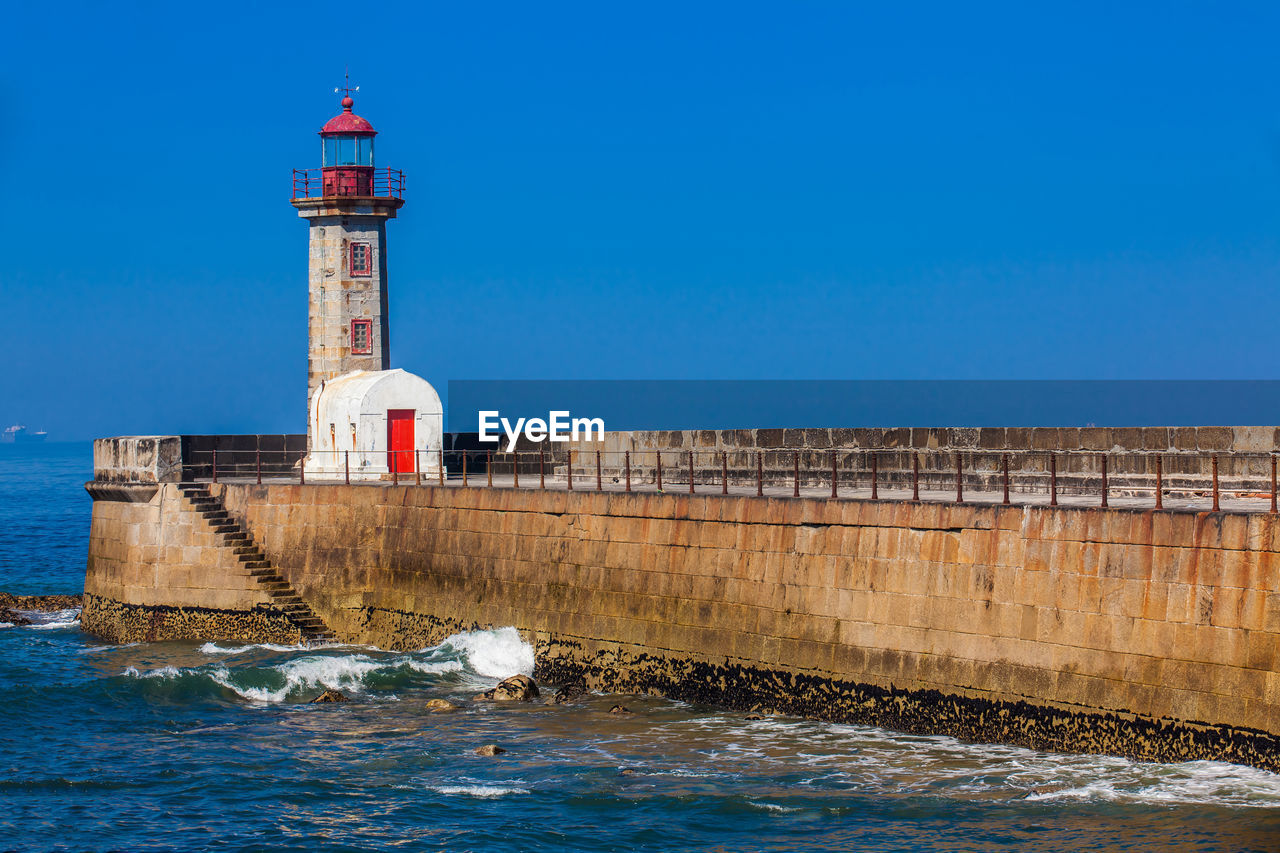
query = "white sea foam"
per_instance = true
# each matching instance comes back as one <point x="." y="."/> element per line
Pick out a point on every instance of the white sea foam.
<point x="161" y="673"/>
<point x="215" y="649"/>
<point x="482" y="791"/>
<point x="498" y="653"/>
<point x="6" y="624"/>
<point x="53" y="619"/>
<point x="332" y="673"/>
<point x="772" y="807"/>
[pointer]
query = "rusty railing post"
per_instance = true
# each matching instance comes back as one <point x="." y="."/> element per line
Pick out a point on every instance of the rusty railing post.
<point x="1159" y="482"/>
<point x="658" y="475"/>
<point x="959" y="478"/>
<point x="215" y="465"/>
<point x="440" y="460"/>
<point x="759" y="474"/>
<point x="464" y="468"/>
<point x="1006" y="478"/>
<point x="542" y="469"/>
<point x="1215" y="483"/>
<point x="875" y="479"/>
<point x="417" y="467"/>
<point x="724" y="472"/>
<point x="599" y="474"/>
<point x="1053" y="479"/>
<point x="795" y="465"/>
<point x="302" y="471"/>
<point x="834" y="492"/>
<point x="690" y="472"/>
<point x="488" y="468"/>
<point x="1106" y="485"/>
<point x="393" y="461"/>
<point x="515" y="468"/>
<point x="1273" y="482"/>
<point x="346" y="467"/>
<point x="569" y="468"/>
<point x="915" y="477"/>
<point x="626" y="465"/>
<point x="257" y="463"/>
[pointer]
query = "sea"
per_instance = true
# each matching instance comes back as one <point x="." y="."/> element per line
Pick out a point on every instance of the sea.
<point x="216" y="746"/>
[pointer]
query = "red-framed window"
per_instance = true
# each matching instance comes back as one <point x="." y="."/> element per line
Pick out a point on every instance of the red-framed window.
<point x="361" y="260"/>
<point x="361" y="337"/>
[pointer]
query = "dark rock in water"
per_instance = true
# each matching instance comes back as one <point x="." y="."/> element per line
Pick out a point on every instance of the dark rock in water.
<point x="568" y="693"/>
<point x="626" y="771"/>
<point x="14" y="618"/>
<point x="754" y="717"/>
<point x="489" y="749"/>
<point x="42" y="603"/>
<point x="517" y="688"/>
<point x="619" y="709"/>
<point x="331" y="696"/>
<point x="437" y="706"/>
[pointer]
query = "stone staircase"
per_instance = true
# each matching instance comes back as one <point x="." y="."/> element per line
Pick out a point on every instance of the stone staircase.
<point x="234" y="535"/>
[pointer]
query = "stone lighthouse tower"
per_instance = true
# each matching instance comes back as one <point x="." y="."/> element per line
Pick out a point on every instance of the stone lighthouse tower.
<point x="364" y="420"/>
<point x="347" y="202"/>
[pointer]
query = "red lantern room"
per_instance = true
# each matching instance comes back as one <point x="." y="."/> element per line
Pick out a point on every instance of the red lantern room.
<point x="346" y="161"/>
<point x="347" y="155"/>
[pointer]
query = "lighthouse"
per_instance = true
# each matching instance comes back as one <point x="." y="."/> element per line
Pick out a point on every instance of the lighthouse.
<point x="364" y="419"/>
<point x="347" y="203"/>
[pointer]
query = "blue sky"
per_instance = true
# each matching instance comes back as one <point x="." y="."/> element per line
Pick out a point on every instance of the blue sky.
<point x="685" y="191"/>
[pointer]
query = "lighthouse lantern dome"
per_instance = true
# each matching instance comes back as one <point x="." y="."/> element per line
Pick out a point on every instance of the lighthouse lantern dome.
<point x="347" y="139"/>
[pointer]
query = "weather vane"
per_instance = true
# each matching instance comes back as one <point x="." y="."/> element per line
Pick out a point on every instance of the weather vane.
<point x="346" y="87"/>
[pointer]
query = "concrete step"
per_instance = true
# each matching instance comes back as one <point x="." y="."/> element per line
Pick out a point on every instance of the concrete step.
<point x="215" y="514"/>
<point x="241" y="550"/>
<point x="238" y="536"/>
<point x="257" y="564"/>
<point x="227" y="528"/>
<point x="264" y="572"/>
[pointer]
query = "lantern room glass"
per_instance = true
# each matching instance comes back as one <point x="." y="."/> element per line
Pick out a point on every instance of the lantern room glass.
<point x="347" y="151"/>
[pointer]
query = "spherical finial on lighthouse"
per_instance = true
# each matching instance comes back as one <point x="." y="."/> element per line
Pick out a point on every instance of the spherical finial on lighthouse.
<point x="347" y="104"/>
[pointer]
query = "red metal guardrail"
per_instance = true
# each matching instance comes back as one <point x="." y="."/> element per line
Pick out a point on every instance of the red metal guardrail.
<point x="342" y="181"/>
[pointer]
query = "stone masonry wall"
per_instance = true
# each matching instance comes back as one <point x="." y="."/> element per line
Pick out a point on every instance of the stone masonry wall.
<point x="1186" y="453"/>
<point x="1150" y="634"/>
<point x="155" y="572"/>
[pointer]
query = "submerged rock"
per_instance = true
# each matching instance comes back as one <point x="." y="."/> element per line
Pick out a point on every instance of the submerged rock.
<point x="330" y="696"/>
<point x="489" y="749"/>
<point x="437" y="706"/>
<point x="568" y="693"/>
<point x="620" y="709"/>
<point x="42" y="603"/>
<point x="517" y="688"/>
<point x="14" y="618"/>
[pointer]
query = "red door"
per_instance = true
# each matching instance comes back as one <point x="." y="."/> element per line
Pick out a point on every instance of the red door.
<point x="400" y="440"/>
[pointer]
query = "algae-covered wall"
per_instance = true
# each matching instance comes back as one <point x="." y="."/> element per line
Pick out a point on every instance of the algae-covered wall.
<point x="1152" y="634"/>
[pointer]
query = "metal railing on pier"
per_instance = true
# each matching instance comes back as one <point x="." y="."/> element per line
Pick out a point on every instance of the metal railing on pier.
<point x="1173" y="480"/>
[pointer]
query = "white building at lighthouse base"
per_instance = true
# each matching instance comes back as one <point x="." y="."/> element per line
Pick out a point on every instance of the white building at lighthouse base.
<point x="373" y="424"/>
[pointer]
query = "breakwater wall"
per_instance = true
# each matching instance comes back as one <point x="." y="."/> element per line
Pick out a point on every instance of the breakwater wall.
<point x="1147" y="633"/>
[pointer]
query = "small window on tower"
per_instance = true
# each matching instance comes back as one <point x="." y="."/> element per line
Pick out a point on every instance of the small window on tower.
<point x="362" y="337"/>
<point x="361" y="259"/>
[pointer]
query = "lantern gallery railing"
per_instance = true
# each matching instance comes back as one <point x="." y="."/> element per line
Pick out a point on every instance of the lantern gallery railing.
<point x="348" y="181"/>
<point x="1239" y="482"/>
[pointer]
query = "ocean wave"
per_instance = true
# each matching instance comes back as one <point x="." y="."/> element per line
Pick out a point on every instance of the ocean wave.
<point x="48" y="620"/>
<point x="481" y="791"/>
<point x="215" y="649"/>
<point x="496" y="653"/>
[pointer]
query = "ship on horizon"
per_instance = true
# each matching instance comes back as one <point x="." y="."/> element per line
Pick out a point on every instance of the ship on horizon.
<point x="19" y="434"/>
